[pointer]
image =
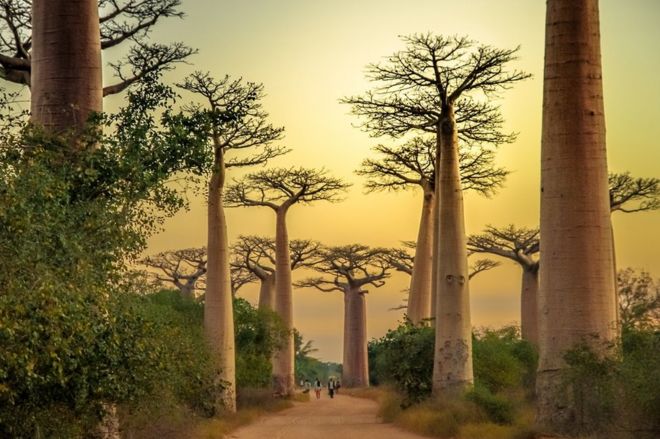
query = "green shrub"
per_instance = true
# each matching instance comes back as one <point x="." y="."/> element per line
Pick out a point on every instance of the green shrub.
<point x="258" y="333"/>
<point x="502" y="360"/>
<point x="616" y="391"/>
<point x="498" y="409"/>
<point x="404" y="358"/>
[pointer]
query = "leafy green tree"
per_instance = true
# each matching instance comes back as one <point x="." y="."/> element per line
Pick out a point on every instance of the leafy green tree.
<point x="72" y="336"/>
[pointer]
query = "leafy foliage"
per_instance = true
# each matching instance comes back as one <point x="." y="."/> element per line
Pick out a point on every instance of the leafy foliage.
<point x="74" y="335"/>
<point x="617" y="392"/>
<point x="502" y="360"/>
<point x="258" y="334"/>
<point x="404" y="357"/>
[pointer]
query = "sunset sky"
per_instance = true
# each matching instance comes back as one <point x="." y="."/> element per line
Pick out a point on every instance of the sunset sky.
<point x="308" y="54"/>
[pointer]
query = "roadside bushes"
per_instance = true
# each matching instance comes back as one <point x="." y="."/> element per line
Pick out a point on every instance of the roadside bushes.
<point x="404" y="359"/>
<point x="617" y="395"/>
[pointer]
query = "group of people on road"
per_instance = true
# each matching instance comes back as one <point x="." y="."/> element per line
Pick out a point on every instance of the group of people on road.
<point x="333" y="386"/>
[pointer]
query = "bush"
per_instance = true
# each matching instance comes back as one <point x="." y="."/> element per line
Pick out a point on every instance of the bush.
<point x="404" y="358"/>
<point x="502" y="360"/>
<point x="258" y="333"/>
<point x="498" y="409"/>
<point x="618" y="391"/>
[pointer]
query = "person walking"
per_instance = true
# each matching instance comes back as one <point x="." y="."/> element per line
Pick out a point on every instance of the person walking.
<point x="307" y="386"/>
<point x="331" y="388"/>
<point x="317" y="388"/>
<point x="338" y="386"/>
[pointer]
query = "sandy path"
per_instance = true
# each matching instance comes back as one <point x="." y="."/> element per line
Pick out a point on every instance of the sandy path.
<point x="343" y="417"/>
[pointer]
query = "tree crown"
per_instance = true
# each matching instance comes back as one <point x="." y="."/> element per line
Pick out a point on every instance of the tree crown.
<point x="283" y="187"/>
<point x="415" y="86"/>
<point x="120" y="21"/>
<point x="232" y="118"/>
<point x="349" y="266"/>
<point x="629" y="194"/>
<point x="412" y="164"/>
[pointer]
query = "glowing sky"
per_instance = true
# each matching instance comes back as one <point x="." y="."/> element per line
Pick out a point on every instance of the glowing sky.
<point x="310" y="53"/>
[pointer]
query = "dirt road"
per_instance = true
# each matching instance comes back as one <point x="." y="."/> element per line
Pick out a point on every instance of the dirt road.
<point x="343" y="417"/>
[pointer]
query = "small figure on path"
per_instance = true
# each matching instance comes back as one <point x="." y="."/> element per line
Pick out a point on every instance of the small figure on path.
<point x="331" y="387"/>
<point x="307" y="386"/>
<point x="317" y="388"/>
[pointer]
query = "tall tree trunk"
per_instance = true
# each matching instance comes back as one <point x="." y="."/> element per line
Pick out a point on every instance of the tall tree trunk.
<point x="355" y="339"/>
<point x="576" y="284"/>
<point x="419" y="299"/>
<point x="529" y="308"/>
<point x="347" y="363"/>
<point x="452" y="371"/>
<point x="267" y="292"/>
<point x="616" y="281"/>
<point x="66" y="84"/>
<point x="218" y="306"/>
<point x="283" y="380"/>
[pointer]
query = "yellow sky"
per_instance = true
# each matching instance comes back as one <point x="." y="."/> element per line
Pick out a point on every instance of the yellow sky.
<point x="310" y="53"/>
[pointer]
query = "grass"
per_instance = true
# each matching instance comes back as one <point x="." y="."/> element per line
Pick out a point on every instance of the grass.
<point x="461" y="419"/>
<point x="178" y="423"/>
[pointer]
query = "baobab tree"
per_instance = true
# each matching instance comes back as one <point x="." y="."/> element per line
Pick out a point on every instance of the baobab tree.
<point x="577" y="288"/>
<point x="279" y="189"/>
<point x="183" y="268"/>
<point x="59" y="54"/>
<point x="233" y="121"/>
<point x="402" y="259"/>
<point x="256" y="255"/>
<point x="519" y="245"/>
<point x="349" y="269"/>
<point x="437" y="84"/>
<point x="412" y="165"/>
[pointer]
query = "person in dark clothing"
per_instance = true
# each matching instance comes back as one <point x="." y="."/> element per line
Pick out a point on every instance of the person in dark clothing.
<point x="331" y="387"/>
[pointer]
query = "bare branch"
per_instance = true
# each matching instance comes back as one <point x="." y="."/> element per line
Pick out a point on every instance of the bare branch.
<point x="517" y="244"/>
<point x="414" y="86"/>
<point x="120" y="21"/>
<point x="283" y="187"/>
<point x="481" y="265"/>
<point x="413" y="165"/>
<point x="629" y="194"/>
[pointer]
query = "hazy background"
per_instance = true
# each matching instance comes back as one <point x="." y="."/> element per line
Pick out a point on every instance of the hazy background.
<point x="308" y="54"/>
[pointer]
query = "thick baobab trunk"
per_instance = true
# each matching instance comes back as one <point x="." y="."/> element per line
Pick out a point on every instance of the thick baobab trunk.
<point x="419" y="299"/>
<point x="452" y="371"/>
<point x="529" y="308"/>
<point x="66" y="82"/>
<point x="283" y="362"/>
<point x="576" y="282"/>
<point x="267" y="292"/>
<point x="355" y="339"/>
<point x="218" y="306"/>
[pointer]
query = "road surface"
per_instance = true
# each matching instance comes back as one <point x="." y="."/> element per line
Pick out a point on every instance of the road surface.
<point x="343" y="417"/>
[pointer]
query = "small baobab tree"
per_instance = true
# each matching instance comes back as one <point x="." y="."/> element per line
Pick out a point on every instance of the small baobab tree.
<point x="279" y="189"/>
<point x="442" y="85"/>
<point x="577" y="290"/>
<point x="233" y="121"/>
<point x="519" y="245"/>
<point x="185" y="269"/>
<point x="256" y="255"/>
<point x="412" y="165"/>
<point x="349" y="269"/>
<point x="59" y="54"/>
